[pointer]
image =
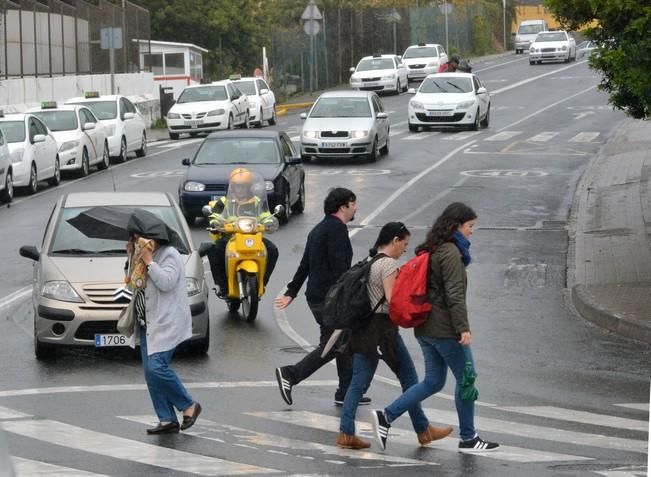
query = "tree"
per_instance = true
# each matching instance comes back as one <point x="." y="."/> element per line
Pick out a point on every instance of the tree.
<point x="621" y="28"/>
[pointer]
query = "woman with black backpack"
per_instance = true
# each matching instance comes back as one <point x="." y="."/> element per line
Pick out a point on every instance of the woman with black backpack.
<point x="379" y="339"/>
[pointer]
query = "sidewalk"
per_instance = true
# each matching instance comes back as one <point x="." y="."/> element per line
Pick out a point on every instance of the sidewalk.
<point x="609" y="261"/>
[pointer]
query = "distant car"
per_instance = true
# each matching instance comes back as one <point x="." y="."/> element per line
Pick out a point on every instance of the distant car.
<point x="6" y="172"/>
<point x="456" y="100"/>
<point x="585" y="48"/>
<point x="80" y="136"/>
<point x="207" y="108"/>
<point x="262" y="101"/>
<point x="526" y="34"/>
<point x="344" y="124"/>
<point x="33" y="151"/>
<point x="78" y="287"/>
<point x="269" y="153"/>
<point x="552" y="46"/>
<point x="379" y="73"/>
<point x="423" y="59"/>
<point x="126" y="127"/>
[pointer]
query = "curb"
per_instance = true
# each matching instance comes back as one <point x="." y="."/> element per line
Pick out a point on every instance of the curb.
<point x="283" y="108"/>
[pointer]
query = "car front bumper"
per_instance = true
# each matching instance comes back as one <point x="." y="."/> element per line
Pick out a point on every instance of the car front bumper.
<point x="549" y="56"/>
<point x="336" y="147"/>
<point x="442" y="118"/>
<point x="522" y="45"/>
<point x="71" y="159"/>
<point x="208" y="123"/>
<point x="419" y="74"/>
<point x="20" y="174"/>
<point x="114" y="144"/>
<point x="378" y="85"/>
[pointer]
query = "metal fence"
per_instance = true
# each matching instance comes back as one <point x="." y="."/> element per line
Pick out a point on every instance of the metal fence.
<point x="473" y="27"/>
<point x="55" y="37"/>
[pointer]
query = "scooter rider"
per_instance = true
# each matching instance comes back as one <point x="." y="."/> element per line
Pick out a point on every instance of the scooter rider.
<point x="244" y="202"/>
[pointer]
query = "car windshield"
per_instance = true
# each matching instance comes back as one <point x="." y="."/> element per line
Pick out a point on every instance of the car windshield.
<point x="371" y="64"/>
<point x="67" y="240"/>
<point x="203" y="93"/>
<point x="246" y="87"/>
<point x="529" y="29"/>
<point x="102" y="109"/>
<point x="421" y="52"/>
<point x="240" y="150"/>
<point x="58" y="120"/>
<point x="14" y="131"/>
<point x="341" y="108"/>
<point x="553" y="36"/>
<point x="446" y="84"/>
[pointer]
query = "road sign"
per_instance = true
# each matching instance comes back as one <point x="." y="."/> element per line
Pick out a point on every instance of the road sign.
<point x="311" y="12"/>
<point x="311" y="27"/>
<point x="445" y="8"/>
<point x="110" y="38"/>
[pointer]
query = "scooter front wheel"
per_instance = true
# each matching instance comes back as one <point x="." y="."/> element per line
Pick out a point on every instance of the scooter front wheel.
<point x="250" y="299"/>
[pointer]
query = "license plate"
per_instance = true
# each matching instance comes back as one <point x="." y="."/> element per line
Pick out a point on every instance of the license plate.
<point x="333" y="145"/>
<point x="192" y="124"/>
<point x="372" y="84"/>
<point x="440" y="113"/>
<point x="111" y="340"/>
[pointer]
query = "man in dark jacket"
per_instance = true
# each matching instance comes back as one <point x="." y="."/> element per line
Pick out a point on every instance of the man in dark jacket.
<point x="328" y="254"/>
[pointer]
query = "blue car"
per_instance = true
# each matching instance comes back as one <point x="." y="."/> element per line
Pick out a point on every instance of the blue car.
<point x="269" y="153"/>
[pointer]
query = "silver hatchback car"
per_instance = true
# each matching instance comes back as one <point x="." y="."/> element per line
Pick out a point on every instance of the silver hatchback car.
<point x="78" y="285"/>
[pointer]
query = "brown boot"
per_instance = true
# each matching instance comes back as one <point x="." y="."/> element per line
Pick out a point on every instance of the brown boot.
<point x="433" y="434"/>
<point x="347" y="441"/>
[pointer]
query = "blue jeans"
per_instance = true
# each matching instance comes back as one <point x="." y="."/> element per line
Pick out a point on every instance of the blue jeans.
<point x="364" y="368"/>
<point x="165" y="388"/>
<point x="439" y="354"/>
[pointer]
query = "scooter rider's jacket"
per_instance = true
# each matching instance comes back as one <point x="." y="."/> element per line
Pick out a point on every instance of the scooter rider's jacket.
<point x="225" y="211"/>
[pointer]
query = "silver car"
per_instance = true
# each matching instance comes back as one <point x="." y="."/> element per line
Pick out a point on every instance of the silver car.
<point x="344" y="124"/>
<point x="78" y="285"/>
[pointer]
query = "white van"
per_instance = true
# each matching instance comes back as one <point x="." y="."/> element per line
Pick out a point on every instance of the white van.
<point x="526" y="34"/>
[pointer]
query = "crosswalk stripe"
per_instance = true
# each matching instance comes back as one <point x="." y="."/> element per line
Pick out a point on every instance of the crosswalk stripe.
<point x="544" y="136"/>
<point x="6" y="413"/>
<point x="544" y="433"/>
<point x="640" y="406"/>
<point x="100" y="443"/>
<point x="175" y="144"/>
<point x="330" y="423"/>
<point x="34" y="468"/>
<point x="395" y="132"/>
<point x="461" y="136"/>
<point x="585" y="137"/>
<point x="580" y="416"/>
<point x="204" y="426"/>
<point x="414" y="137"/>
<point x="503" y="136"/>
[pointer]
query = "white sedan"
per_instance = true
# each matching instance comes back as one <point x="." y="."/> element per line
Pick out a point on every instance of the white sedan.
<point x="6" y="173"/>
<point x="449" y="100"/>
<point x="33" y="151"/>
<point x="206" y="108"/>
<point x="125" y="124"/>
<point x="552" y="46"/>
<point x="262" y="101"/>
<point x="379" y="73"/>
<point x="80" y="136"/>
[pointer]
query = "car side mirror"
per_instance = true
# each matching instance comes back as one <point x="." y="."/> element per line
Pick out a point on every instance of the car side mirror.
<point x="29" y="251"/>
<point x="411" y="91"/>
<point x="352" y="69"/>
<point x="294" y="160"/>
<point x="264" y="91"/>
<point x="128" y="116"/>
<point x="303" y="116"/>
<point x="206" y="210"/>
<point x="381" y="115"/>
<point x="88" y="126"/>
<point x="481" y="90"/>
<point x="185" y="161"/>
<point x="38" y="138"/>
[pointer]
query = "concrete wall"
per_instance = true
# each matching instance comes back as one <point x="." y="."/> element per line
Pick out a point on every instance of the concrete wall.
<point x="19" y="94"/>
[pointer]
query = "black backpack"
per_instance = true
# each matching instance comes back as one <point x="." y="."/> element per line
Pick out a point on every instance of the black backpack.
<point x="347" y="304"/>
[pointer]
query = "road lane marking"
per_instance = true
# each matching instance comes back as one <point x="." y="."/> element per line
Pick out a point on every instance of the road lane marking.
<point x="544" y="136"/>
<point x="18" y="295"/>
<point x="414" y="137"/>
<point x="503" y="136"/>
<point x="585" y="137"/>
<point x="461" y="136"/>
<point x="86" y="440"/>
<point x="535" y="78"/>
<point x="6" y="413"/>
<point x="34" y="468"/>
<point x="640" y="406"/>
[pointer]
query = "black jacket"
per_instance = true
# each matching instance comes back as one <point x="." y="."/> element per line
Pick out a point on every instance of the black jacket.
<point x="328" y="254"/>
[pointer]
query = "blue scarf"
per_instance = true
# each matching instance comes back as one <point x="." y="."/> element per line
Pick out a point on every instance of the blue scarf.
<point x="463" y="244"/>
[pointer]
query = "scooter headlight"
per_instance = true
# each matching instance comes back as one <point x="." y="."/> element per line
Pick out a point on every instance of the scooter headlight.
<point x="246" y="225"/>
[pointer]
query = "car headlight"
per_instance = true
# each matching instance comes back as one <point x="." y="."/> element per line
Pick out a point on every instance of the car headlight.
<point x="110" y="129"/>
<point x="268" y="186"/>
<point x="532" y="50"/>
<point x="192" y="286"/>
<point x="192" y="186"/>
<point x="465" y="104"/>
<point x="310" y="134"/>
<point x="358" y="134"/>
<point x="389" y="77"/>
<point x="416" y="104"/>
<point x="60" y="290"/>
<point x="67" y="146"/>
<point x="246" y="224"/>
<point x="173" y="116"/>
<point x="564" y="48"/>
<point x="217" y="112"/>
<point x="17" y="155"/>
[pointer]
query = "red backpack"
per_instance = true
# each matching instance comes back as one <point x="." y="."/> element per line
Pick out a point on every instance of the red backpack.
<point x="409" y="306"/>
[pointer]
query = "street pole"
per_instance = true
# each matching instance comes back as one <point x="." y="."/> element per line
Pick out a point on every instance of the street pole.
<point x="447" y="42"/>
<point x="504" y="21"/>
<point x="395" y="44"/>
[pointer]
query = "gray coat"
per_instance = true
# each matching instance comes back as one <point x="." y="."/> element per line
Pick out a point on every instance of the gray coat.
<point x="169" y="321"/>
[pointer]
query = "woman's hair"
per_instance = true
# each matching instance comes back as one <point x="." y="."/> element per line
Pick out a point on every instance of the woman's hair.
<point x="387" y="233"/>
<point x="445" y="225"/>
<point x="337" y="198"/>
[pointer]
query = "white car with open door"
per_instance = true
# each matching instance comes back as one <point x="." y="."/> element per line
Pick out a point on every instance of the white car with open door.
<point x="262" y="101"/>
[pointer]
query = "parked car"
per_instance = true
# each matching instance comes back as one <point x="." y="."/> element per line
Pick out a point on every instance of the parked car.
<point x="207" y="108"/>
<point x="269" y="153"/>
<point x="552" y="46"/>
<point x="449" y="100"/>
<point x="33" y="150"/>
<point x="526" y="34"/>
<point x="344" y="124"/>
<point x="126" y="126"/>
<point x="80" y="136"/>
<point x="423" y="59"/>
<point x="585" y="49"/>
<point x="78" y="286"/>
<point x="6" y="172"/>
<point x="379" y="73"/>
<point x="262" y="101"/>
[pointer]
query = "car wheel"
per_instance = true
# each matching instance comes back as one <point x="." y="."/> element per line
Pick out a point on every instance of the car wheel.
<point x="385" y="149"/>
<point x="299" y="205"/>
<point x="201" y="346"/>
<point x="105" y="162"/>
<point x="7" y="194"/>
<point x="375" y="151"/>
<point x="272" y="120"/>
<point x="174" y="136"/>
<point x="398" y="86"/>
<point x="531" y="62"/>
<point x="486" y="121"/>
<point x="122" y="156"/>
<point x="142" y="152"/>
<point x="475" y="124"/>
<point x="414" y="127"/>
<point x="85" y="166"/>
<point x="230" y="122"/>
<point x="284" y="217"/>
<point x="56" y="178"/>
<point x="259" y="123"/>
<point x="32" y="186"/>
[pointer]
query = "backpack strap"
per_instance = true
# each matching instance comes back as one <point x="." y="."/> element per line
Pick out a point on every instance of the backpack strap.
<point x="374" y="259"/>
